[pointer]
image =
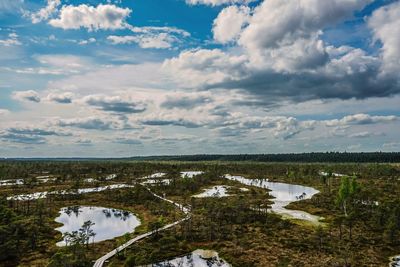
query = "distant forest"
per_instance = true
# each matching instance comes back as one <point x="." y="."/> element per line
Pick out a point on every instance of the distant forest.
<point x="334" y="157"/>
<point x="292" y="157"/>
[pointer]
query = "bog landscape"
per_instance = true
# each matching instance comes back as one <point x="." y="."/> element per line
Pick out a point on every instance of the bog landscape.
<point x="200" y="133"/>
<point x="199" y="213"/>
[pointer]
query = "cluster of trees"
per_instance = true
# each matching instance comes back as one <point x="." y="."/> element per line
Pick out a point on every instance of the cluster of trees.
<point x="291" y="157"/>
<point x="22" y="232"/>
<point x="75" y="252"/>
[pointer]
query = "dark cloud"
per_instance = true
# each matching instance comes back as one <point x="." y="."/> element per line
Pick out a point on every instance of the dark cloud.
<point x="114" y="104"/>
<point x="30" y="135"/>
<point x="86" y="123"/>
<point x="23" y="139"/>
<point x="37" y="131"/>
<point x="179" y="122"/>
<point x="185" y="102"/>
<point x="65" y="98"/>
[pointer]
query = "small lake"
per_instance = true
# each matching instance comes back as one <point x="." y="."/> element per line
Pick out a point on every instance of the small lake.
<point x="198" y="258"/>
<point x="108" y="223"/>
<point x="11" y="182"/>
<point x="155" y="175"/>
<point x="215" y="191"/>
<point x="283" y="194"/>
<point x="157" y="181"/>
<point x="395" y="261"/>
<point x="190" y="174"/>
<point x="39" y="195"/>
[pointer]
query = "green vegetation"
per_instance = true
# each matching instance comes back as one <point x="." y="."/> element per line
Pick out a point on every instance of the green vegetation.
<point x="361" y="212"/>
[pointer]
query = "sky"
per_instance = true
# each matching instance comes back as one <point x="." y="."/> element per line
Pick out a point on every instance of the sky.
<point x="119" y="78"/>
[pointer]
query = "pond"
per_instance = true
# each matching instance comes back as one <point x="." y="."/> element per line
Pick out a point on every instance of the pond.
<point x="39" y="195"/>
<point x="108" y="223"/>
<point x="11" y="182"/>
<point x="283" y="194"/>
<point x="198" y="258"/>
<point x="215" y="191"/>
<point x="155" y="175"/>
<point x="157" y="181"/>
<point x="190" y="174"/>
<point x="395" y="261"/>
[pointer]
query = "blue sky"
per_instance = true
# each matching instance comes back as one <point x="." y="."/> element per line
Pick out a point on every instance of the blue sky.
<point x="146" y="77"/>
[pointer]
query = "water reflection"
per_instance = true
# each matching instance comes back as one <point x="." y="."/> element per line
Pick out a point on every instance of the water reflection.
<point x="395" y="262"/>
<point x="198" y="258"/>
<point x="190" y="174"/>
<point x="39" y="195"/>
<point x="215" y="191"/>
<point x="108" y="223"/>
<point x="283" y="194"/>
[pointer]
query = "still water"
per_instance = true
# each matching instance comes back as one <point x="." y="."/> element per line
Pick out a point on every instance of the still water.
<point x="108" y="223"/>
<point x="198" y="258"/>
<point x="283" y="194"/>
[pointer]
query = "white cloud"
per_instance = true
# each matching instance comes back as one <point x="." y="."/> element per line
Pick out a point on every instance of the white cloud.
<point x="11" y="40"/>
<point x="203" y="66"/>
<point x="360" y="119"/>
<point x="4" y="112"/>
<point x="56" y="64"/>
<point x="30" y="96"/>
<point x="158" y="41"/>
<point x="46" y="12"/>
<point x="62" y="98"/>
<point x="384" y="23"/>
<point x="151" y="37"/>
<point x="92" y="123"/>
<point x="280" y="56"/>
<point x="115" y="104"/>
<point x="285" y="30"/>
<point x="88" y="41"/>
<point x="229" y="23"/>
<point x="102" y="17"/>
<point x="156" y="29"/>
<point x="217" y="2"/>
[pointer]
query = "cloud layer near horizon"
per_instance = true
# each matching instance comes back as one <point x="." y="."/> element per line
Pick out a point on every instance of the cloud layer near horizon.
<point x="267" y="77"/>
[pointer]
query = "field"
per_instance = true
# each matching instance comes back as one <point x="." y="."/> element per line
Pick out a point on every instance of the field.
<point x="358" y="206"/>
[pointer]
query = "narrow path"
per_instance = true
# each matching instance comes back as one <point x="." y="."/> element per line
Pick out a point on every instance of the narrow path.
<point x="100" y="262"/>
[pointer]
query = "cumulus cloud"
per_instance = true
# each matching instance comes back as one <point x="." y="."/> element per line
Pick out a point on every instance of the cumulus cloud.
<point x="88" y="41"/>
<point x="37" y="131"/>
<point x="116" y="104"/>
<point x="56" y="64"/>
<point x="89" y="123"/>
<point x="11" y="40"/>
<point x="45" y="12"/>
<point x="360" y="119"/>
<point x="171" y="122"/>
<point x="217" y="2"/>
<point x="198" y="68"/>
<point x="384" y="23"/>
<point x="84" y="142"/>
<point x="229" y="23"/>
<point x="30" y="134"/>
<point x="4" y="111"/>
<point x="30" y="96"/>
<point x="23" y="139"/>
<point x="280" y="56"/>
<point x="151" y="37"/>
<point x="101" y="17"/>
<point x="279" y="126"/>
<point x="158" y="41"/>
<point x="185" y="101"/>
<point x="62" y="98"/>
